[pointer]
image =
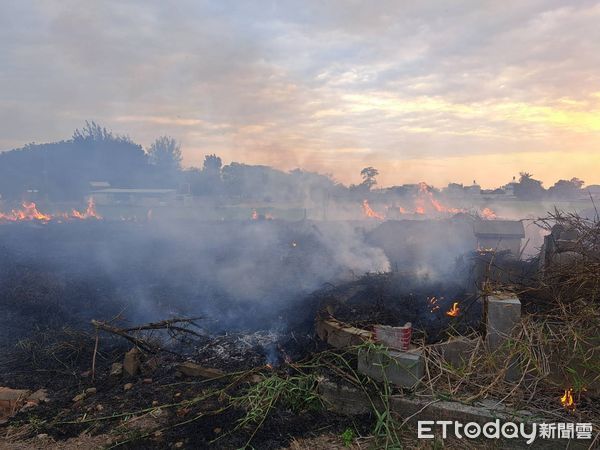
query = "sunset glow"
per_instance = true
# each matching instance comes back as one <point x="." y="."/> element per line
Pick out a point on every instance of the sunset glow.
<point x="419" y="91"/>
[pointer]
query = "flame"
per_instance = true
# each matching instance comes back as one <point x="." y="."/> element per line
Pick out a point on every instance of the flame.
<point x="453" y="312"/>
<point x="424" y="202"/>
<point x="488" y="214"/>
<point x="368" y="211"/>
<point x="294" y="244"/>
<point x="89" y="213"/>
<point x="432" y="302"/>
<point x="567" y="399"/>
<point x="29" y="211"/>
<point x="254" y="215"/>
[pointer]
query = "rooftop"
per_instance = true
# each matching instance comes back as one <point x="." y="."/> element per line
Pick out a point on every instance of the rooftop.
<point x="499" y="228"/>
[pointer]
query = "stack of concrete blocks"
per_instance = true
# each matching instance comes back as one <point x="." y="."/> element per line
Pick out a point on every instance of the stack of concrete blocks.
<point x="503" y="318"/>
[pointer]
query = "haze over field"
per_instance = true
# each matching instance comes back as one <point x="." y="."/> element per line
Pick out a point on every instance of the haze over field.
<point x="421" y="90"/>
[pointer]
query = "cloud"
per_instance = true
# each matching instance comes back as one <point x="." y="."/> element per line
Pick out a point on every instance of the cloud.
<point x="329" y="86"/>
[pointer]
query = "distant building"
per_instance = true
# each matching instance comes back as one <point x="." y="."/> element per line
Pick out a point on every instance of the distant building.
<point x="499" y="235"/>
<point x="134" y="197"/>
<point x="474" y="189"/>
<point x="509" y="188"/>
<point x="95" y="185"/>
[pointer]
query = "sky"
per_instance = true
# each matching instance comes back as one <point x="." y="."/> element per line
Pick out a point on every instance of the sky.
<point x="422" y="90"/>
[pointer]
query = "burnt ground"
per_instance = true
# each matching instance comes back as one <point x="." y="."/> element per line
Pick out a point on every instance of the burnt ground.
<point x="256" y="287"/>
<point x="400" y="297"/>
<point x="245" y="281"/>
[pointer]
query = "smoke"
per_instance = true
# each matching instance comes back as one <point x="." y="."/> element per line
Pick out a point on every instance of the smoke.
<point x="236" y="274"/>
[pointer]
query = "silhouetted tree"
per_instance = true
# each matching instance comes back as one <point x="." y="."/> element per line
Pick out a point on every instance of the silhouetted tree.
<point x="62" y="171"/>
<point x="368" y="175"/>
<point x="165" y="153"/>
<point x="529" y="188"/>
<point x="566" y="188"/>
<point x="212" y="164"/>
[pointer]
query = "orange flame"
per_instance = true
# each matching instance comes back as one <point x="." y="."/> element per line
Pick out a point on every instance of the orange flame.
<point x="567" y="399"/>
<point x="29" y="211"/>
<point x="426" y="201"/>
<point x="488" y="214"/>
<point x="453" y="312"/>
<point x="368" y="211"/>
<point x="254" y="215"/>
<point x="89" y="213"/>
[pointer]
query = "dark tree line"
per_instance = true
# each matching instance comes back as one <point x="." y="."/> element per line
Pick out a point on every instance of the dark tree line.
<point x="62" y="171"/>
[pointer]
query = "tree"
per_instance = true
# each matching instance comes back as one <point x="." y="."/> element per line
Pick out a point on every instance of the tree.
<point x="92" y="132"/>
<point x="566" y="188"/>
<point x="368" y="175"/>
<point x="529" y="188"/>
<point x="165" y="154"/>
<point x="212" y="164"/>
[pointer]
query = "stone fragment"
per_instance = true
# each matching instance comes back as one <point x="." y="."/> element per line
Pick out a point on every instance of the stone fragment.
<point x="132" y="361"/>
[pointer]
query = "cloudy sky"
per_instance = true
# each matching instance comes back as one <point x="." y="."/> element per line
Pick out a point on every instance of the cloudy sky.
<point x="435" y="91"/>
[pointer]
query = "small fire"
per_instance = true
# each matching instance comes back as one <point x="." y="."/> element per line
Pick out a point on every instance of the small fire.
<point x="425" y="197"/>
<point x="89" y="213"/>
<point x="28" y="211"/>
<point x="294" y="244"/>
<point x="432" y="302"/>
<point x="254" y="215"/>
<point x="453" y="312"/>
<point x="488" y="214"/>
<point x="368" y="211"/>
<point x="567" y="399"/>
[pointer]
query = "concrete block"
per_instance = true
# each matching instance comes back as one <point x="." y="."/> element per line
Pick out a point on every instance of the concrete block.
<point x="340" y="335"/>
<point x="503" y="316"/>
<point x="456" y="351"/>
<point x="400" y="368"/>
<point x="446" y="410"/>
